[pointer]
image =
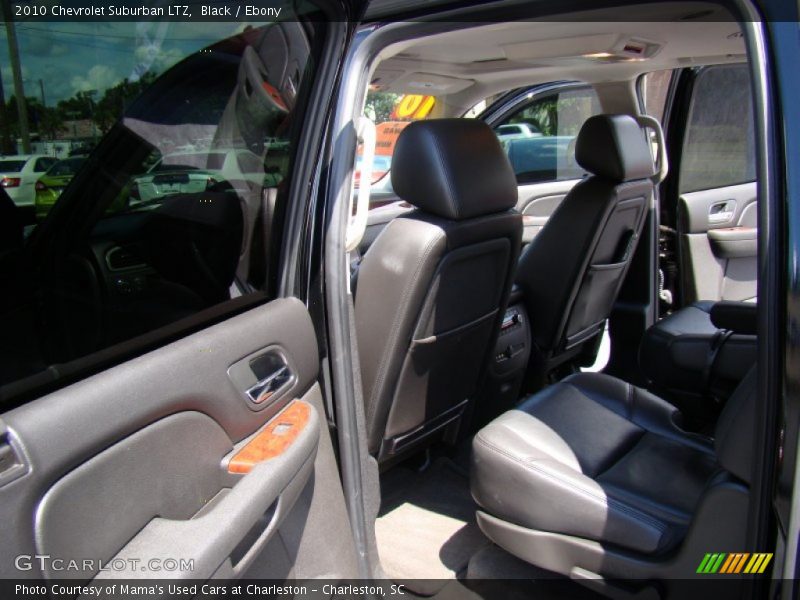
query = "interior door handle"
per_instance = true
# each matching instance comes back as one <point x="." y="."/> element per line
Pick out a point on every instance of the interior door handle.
<point x="721" y="212"/>
<point x="208" y="540"/>
<point x="264" y="377"/>
<point x="266" y="388"/>
<point x="12" y="460"/>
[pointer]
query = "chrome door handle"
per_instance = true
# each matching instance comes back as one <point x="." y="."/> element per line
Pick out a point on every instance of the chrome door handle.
<point x="263" y="378"/>
<point x="721" y="212"/>
<point x="266" y="388"/>
<point x="12" y="461"/>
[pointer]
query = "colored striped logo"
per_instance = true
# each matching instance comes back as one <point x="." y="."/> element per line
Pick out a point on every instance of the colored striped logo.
<point x="736" y="562"/>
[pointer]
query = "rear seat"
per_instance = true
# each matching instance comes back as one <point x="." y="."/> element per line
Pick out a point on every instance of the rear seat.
<point x="703" y="350"/>
<point x="597" y="475"/>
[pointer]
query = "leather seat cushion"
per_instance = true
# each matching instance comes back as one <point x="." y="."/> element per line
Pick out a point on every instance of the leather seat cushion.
<point x="597" y="458"/>
<point x="675" y="352"/>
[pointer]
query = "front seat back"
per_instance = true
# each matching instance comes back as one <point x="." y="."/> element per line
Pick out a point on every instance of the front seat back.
<point x="433" y="286"/>
<point x="571" y="272"/>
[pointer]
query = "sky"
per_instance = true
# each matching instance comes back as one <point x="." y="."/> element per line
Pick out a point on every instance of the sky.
<point x="72" y="57"/>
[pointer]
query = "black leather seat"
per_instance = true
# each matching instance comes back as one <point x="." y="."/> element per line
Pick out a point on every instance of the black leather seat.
<point x="433" y="286"/>
<point x="572" y="271"/>
<point x="595" y="474"/>
<point x="701" y="351"/>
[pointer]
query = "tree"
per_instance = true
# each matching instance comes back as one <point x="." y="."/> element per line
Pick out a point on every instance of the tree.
<point x="45" y="120"/>
<point x="110" y="108"/>
<point x="77" y="107"/>
<point x="381" y="104"/>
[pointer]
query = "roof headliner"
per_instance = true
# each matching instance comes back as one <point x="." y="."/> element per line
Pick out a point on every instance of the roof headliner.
<point x="489" y="58"/>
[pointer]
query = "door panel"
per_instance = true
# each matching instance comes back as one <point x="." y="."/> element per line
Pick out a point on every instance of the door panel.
<point x="132" y="463"/>
<point x="718" y="232"/>
<point x="712" y="137"/>
<point x="537" y="201"/>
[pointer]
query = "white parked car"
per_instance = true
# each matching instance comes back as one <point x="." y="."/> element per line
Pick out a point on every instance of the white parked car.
<point x="190" y="172"/>
<point x="18" y="175"/>
<point x="516" y="130"/>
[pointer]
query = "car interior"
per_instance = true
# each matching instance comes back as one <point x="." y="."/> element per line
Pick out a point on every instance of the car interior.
<point x="554" y="332"/>
<point x="500" y="451"/>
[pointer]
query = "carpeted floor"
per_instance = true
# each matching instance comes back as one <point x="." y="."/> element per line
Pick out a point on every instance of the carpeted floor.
<point x="426" y="529"/>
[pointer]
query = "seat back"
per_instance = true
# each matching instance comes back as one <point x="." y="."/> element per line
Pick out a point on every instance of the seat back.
<point x="433" y="286"/>
<point x="572" y="271"/>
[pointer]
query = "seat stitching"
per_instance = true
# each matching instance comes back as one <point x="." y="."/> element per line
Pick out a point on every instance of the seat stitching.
<point x="448" y="183"/>
<point x="610" y="502"/>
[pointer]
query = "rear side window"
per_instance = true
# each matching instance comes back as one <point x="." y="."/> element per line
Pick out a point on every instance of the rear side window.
<point x="654" y="88"/>
<point x="42" y="164"/>
<point x="66" y="167"/>
<point x="543" y="146"/>
<point x="719" y="144"/>
<point x="12" y="166"/>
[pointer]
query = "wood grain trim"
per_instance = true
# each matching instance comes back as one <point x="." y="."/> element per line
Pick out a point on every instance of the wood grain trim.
<point x="279" y="434"/>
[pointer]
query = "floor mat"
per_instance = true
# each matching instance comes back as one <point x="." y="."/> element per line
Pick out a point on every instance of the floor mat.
<point x="426" y="529"/>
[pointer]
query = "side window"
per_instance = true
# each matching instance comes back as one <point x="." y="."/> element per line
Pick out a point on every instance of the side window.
<point x="654" y="88"/>
<point x="42" y="164"/>
<point x="719" y="145"/>
<point x="539" y="138"/>
<point x="172" y="214"/>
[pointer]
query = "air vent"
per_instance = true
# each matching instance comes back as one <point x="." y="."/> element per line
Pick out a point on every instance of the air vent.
<point x="123" y="259"/>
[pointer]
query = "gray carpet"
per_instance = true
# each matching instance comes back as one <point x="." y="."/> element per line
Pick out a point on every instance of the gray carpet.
<point x="426" y="528"/>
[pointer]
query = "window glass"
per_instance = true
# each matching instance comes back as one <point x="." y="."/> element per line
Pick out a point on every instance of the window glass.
<point x="719" y="145"/>
<point x="67" y="167"/>
<point x="165" y="217"/>
<point x="249" y="163"/>
<point x="42" y="164"/>
<point x="655" y="88"/>
<point x="12" y="166"/>
<point x="539" y="138"/>
<point x="391" y="113"/>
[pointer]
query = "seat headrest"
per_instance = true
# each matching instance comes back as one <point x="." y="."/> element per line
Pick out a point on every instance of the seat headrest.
<point x="614" y="147"/>
<point x="453" y="168"/>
